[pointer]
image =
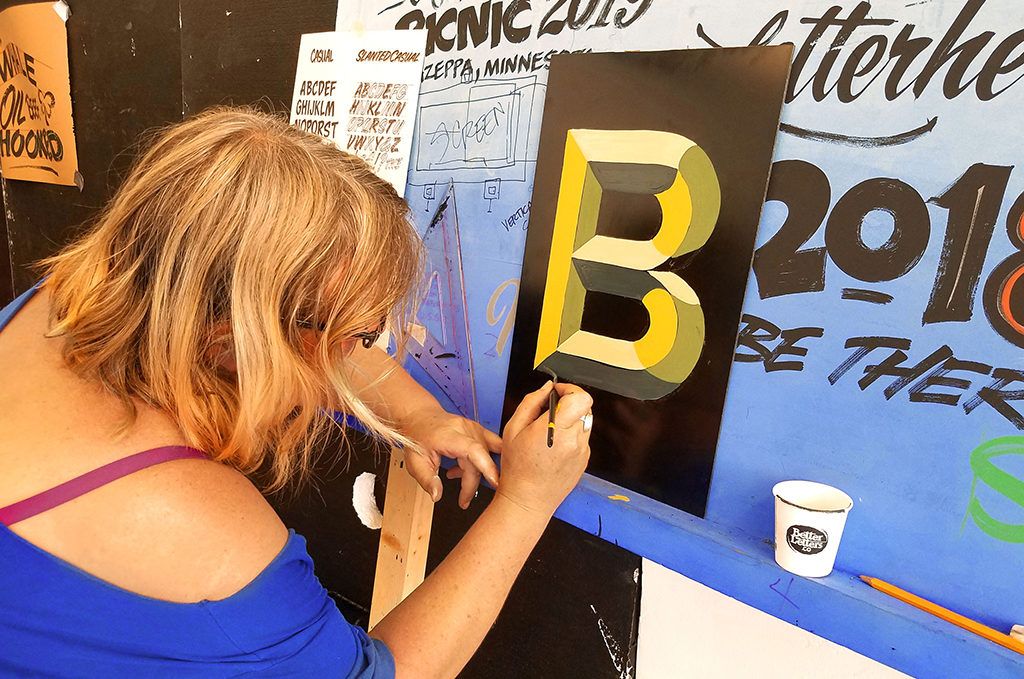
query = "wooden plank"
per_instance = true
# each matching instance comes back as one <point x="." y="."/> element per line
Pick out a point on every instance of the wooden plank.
<point x="404" y="539"/>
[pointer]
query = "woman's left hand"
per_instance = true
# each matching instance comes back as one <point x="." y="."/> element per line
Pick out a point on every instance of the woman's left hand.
<point x="440" y="433"/>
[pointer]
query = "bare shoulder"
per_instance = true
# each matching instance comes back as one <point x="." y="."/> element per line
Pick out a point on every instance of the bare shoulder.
<point x="208" y="521"/>
<point x="182" y="531"/>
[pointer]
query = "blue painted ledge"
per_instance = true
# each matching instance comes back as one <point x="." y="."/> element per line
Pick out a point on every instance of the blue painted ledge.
<point x="840" y="608"/>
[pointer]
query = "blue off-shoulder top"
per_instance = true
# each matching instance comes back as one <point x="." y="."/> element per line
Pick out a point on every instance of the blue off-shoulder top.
<point x="56" y="620"/>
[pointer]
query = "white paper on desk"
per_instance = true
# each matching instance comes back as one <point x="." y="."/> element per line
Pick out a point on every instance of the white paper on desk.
<point x="359" y="89"/>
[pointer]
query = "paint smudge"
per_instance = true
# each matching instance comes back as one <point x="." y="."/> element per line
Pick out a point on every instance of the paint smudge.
<point x="620" y="659"/>
<point x="618" y="498"/>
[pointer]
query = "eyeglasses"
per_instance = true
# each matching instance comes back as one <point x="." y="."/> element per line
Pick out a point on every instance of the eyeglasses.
<point x="368" y="338"/>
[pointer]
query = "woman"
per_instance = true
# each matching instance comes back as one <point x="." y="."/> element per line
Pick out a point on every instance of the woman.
<point x="224" y="302"/>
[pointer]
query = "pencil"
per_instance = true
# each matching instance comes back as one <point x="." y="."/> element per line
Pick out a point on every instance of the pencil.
<point x="944" y="613"/>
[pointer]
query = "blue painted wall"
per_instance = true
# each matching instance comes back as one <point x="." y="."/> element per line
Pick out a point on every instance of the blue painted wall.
<point x="905" y="462"/>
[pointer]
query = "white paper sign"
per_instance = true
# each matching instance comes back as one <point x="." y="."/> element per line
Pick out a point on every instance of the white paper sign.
<point x="359" y="89"/>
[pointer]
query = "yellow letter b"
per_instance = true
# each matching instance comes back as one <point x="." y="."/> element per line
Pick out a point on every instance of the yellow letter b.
<point x="680" y="175"/>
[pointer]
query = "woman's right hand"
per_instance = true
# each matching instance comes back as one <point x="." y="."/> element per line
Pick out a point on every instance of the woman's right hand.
<point x="436" y="629"/>
<point x="532" y="475"/>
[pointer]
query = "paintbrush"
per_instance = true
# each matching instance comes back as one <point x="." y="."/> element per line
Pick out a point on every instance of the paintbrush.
<point x="552" y="406"/>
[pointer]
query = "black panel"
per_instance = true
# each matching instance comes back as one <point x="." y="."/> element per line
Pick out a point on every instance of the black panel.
<point x="573" y="611"/>
<point x="343" y="549"/>
<point x="125" y="78"/>
<point x="659" y="440"/>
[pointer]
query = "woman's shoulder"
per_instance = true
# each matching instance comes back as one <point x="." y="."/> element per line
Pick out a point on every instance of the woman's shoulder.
<point x="182" y="531"/>
<point x="209" y="541"/>
<point x="195" y="530"/>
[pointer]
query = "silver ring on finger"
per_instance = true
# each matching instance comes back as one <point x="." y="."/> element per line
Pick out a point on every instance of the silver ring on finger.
<point x="588" y="421"/>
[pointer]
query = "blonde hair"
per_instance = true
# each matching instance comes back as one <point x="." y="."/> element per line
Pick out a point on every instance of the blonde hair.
<point x="234" y="219"/>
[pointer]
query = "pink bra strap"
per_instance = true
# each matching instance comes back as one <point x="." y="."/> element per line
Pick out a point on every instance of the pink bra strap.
<point x="69" y="490"/>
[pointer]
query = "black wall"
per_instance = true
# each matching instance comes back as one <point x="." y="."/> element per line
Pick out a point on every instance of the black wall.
<point x="6" y="272"/>
<point x="125" y="78"/>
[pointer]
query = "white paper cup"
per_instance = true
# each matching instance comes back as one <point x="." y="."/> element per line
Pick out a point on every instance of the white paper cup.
<point x="809" y="521"/>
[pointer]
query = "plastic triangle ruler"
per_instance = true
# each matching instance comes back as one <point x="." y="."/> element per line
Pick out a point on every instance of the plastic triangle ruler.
<point x="440" y="339"/>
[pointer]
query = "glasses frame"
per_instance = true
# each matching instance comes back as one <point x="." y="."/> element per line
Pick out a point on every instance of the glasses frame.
<point x="368" y="338"/>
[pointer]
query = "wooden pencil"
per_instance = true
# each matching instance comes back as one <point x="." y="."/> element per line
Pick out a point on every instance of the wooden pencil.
<point x="944" y="613"/>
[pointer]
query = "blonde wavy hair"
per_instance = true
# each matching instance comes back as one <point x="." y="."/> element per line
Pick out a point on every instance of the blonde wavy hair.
<point x="235" y="230"/>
